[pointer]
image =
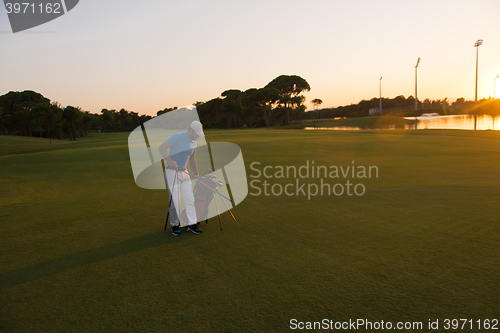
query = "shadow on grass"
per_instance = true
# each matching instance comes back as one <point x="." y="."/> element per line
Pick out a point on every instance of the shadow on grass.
<point x="41" y="270"/>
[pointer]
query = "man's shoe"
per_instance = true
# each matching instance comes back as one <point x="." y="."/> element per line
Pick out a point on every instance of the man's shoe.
<point x="175" y="230"/>
<point x="194" y="229"/>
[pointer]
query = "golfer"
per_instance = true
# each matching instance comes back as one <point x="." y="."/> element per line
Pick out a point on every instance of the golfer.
<point x="181" y="149"/>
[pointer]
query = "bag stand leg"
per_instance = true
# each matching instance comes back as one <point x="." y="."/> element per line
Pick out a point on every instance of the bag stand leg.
<point x="168" y="213"/>
<point x="218" y="213"/>
<point x="230" y="212"/>
<point x="169" y="199"/>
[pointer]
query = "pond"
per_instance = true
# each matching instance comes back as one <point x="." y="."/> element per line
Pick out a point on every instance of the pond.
<point x="463" y="122"/>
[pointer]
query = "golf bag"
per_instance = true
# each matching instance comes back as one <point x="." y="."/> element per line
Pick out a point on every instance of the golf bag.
<point x="203" y="195"/>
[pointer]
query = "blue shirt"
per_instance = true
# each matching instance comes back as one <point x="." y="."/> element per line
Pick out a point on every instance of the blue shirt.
<point x="182" y="148"/>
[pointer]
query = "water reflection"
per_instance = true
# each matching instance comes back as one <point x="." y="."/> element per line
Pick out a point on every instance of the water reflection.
<point x="463" y="122"/>
<point x="336" y="128"/>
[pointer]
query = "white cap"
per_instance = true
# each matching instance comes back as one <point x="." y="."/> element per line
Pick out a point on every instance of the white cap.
<point x="197" y="127"/>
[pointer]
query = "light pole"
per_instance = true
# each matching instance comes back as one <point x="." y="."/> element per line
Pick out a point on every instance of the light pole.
<point x="495" y="86"/>
<point x="478" y="43"/>
<point x="416" y="105"/>
<point x="380" y="93"/>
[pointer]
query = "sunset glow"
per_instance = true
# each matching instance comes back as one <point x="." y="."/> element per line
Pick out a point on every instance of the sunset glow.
<point x="161" y="54"/>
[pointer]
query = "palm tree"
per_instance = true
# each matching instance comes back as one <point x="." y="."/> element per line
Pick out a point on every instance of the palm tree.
<point x="316" y="102"/>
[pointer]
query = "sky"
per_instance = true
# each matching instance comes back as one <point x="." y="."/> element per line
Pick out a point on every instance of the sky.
<point x="144" y="56"/>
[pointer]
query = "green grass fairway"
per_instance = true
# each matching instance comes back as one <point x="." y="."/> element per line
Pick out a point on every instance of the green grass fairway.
<point x="83" y="248"/>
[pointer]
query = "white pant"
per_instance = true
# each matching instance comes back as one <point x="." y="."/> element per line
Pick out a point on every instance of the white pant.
<point x="180" y="183"/>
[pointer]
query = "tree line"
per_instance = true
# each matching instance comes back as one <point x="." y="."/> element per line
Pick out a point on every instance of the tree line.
<point x="280" y="102"/>
<point x="399" y="104"/>
<point x="29" y="113"/>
